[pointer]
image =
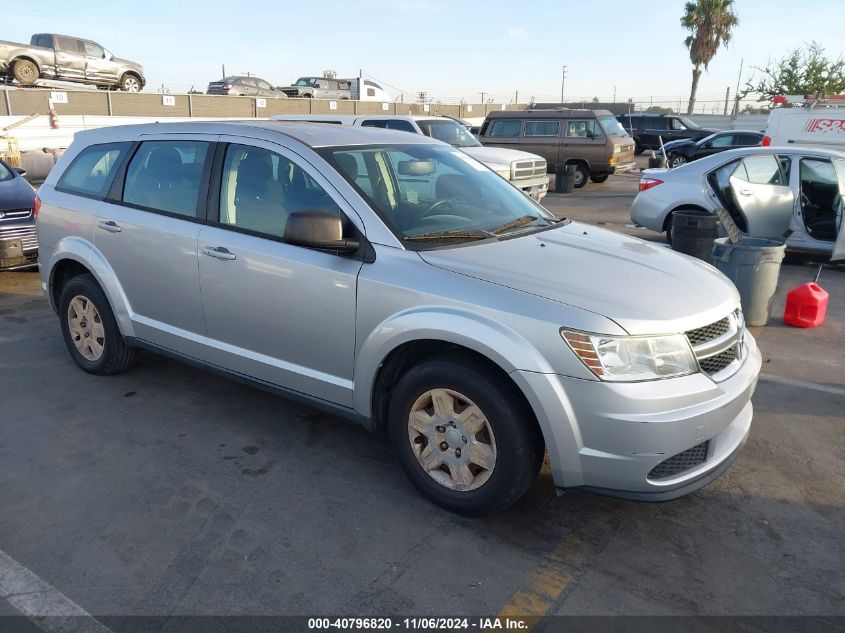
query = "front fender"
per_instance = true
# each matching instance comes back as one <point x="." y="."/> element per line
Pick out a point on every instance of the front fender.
<point x="85" y="253"/>
<point x="490" y="338"/>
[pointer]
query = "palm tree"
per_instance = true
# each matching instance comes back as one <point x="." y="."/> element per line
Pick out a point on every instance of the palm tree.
<point x="711" y="23"/>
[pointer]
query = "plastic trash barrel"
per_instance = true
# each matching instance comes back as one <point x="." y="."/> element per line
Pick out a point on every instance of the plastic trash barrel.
<point x="565" y="179"/>
<point x="754" y="267"/>
<point x="656" y="162"/>
<point x="693" y="233"/>
<point x="806" y="306"/>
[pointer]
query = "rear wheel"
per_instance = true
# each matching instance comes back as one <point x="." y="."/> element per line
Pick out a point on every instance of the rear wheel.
<point x="599" y="178"/>
<point x="25" y="72"/>
<point x="582" y="175"/>
<point x="463" y="437"/>
<point x="90" y="330"/>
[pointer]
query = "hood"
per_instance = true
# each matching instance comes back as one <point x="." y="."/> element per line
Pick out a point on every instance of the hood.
<point x="128" y="64"/>
<point x="16" y="193"/>
<point x="679" y="143"/>
<point x="646" y="289"/>
<point x="498" y="155"/>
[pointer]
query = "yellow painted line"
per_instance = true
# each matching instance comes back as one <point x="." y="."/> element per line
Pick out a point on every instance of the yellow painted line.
<point x="548" y="582"/>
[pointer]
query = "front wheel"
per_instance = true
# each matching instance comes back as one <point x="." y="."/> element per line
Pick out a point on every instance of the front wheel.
<point x="130" y="83"/>
<point x="463" y="437"/>
<point x="25" y="72"/>
<point x="90" y="331"/>
<point x="676" y="160"/>
<point x="582" y="175"/>
<point x="599" y="178"/>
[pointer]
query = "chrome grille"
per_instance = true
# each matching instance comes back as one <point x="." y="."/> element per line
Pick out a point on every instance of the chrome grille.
<point x="14" y="214"/>
<point x="681" y="462"/>
<point x="26" y="234"/>
<point x="528" y="168"/>
<point x="718" y="347"/>
<point x="708" y="332"/>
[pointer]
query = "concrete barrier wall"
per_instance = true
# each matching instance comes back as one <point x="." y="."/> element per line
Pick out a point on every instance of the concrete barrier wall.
<point x="755" y="122"/>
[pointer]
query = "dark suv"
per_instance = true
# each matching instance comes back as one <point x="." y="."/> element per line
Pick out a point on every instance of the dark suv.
<point x="18" y="246"/>
<point x="648" y="128"/>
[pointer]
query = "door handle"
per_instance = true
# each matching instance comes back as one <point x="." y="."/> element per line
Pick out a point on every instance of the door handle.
<point x="218" y="252"/>
<point x="111" y="227"/>
<point x="746" y="192"/>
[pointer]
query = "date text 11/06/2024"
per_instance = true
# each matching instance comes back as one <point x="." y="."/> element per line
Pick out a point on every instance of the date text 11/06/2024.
<point x="410" y="624"/>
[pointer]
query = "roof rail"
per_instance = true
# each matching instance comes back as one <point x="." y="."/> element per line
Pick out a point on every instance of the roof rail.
<point x="810" y="100"/>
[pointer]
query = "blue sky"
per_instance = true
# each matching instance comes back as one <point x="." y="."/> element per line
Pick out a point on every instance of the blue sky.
<point x="449" y="48"/>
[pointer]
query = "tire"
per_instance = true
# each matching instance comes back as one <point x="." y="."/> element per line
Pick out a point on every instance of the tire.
<point x="130" y="83"/>
<point x="676" y="160"/>
<point x="669" y="229"/>
<point x="25" y="72"/>
<point x="114" y="355"/>
<point x="599" y="178"/>
<point x="508" y="440"/>
<point x="582" y="175"/>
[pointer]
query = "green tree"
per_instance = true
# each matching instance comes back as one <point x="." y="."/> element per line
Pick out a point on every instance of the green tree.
<point x="803" y="71"/>
<point x="710" y="23"/>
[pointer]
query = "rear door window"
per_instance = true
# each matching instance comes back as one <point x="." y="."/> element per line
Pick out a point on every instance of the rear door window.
<point x="542" y="128"/>
<point x="91" y="173"/>
<point x="506" y="128"/>
<point x="374" y="123"/>
<point x="166" y="176"/>
<point x="760" y="170"/>
<point x="67" y="44"/>
<point x="725" y="140"/>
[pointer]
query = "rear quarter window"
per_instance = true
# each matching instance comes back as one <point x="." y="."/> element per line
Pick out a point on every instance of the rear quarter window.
<point x="93" y="170"/>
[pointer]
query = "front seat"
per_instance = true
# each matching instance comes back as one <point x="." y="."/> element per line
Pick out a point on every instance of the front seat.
<point x="259" y="198"/>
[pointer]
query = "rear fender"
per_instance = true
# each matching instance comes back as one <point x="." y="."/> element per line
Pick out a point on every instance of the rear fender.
<point x="86" y="254"/>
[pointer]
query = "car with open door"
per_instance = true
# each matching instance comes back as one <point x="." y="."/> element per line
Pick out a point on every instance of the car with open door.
<point x="781" y="193"/>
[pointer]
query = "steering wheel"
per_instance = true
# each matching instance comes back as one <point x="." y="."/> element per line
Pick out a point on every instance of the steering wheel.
<point x="437" y="205"/>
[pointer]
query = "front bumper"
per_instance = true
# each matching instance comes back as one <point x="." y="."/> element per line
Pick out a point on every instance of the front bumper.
<point x="536" y="187"/>
<point x="609" y="437"/>
<point x="18" y="247"/>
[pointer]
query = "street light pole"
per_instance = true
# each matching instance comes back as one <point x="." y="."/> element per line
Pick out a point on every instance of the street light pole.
<point x="562" y="84"/>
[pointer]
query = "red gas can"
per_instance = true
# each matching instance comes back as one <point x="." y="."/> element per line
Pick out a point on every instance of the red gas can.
<point x="805" y="306"/>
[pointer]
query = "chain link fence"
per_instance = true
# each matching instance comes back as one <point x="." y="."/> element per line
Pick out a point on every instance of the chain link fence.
<point x="26" y="102"/>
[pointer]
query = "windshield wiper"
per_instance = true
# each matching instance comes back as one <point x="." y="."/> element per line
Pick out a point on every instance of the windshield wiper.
<point x="520" y="221"/>
<point x="449" y="235"/>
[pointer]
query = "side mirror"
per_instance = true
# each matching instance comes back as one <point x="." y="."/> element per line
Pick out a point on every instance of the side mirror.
<point x="318" y="228"/>
<point x="20" y="171"/>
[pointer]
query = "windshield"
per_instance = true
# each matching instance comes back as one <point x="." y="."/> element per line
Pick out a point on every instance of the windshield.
<point x="5" y="173"/>
<point x="689" y="122"/>
<point x="449" y="131"/>
<point x="306" y="81"/>
<point x="611" y="126"/>
<point x="433" y="195"/>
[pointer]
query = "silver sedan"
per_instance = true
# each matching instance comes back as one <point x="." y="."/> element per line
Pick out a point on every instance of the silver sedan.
<point x="790" y="193"/>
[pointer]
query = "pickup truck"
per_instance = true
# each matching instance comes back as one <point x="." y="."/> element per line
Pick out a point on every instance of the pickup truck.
<point x="50" y="56"/>
<point x="319" y="88"/>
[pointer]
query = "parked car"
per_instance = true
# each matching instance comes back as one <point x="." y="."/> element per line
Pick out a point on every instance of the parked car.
<point x="648" y="128"/>
<point x="527" y="172"/>
<point x="241" y="85"/>
<point x="319" y="88"/>
<point x="819" y="127"/>
<point x="18" y="245"/>
<point x="592" y="140"/>
<point x="51" y="56"/>
<point x="767" y="190"/>
<point x="393" y="279"/>
<point x="686" y="150"/>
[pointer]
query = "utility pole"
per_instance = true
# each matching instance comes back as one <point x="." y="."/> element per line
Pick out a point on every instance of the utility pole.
<point x="482" y="96"/>
<point x="614" y="94"/>
<point x="516" y="97"/>
<point x="562" y="84"/>
<point x="224" y="69"/>
<point x="736" y="94"/>
<point x="727" y="98"/>
<point x="422" y="96"/>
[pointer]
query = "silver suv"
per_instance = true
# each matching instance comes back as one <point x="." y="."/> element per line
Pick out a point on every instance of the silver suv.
<point x="395" y="280"/>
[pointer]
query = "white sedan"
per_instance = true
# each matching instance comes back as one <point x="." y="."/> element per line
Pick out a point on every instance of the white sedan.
<point x="771" y="192"/>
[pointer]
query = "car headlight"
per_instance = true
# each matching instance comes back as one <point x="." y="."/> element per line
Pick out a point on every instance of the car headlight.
<point x="617" y="149"/>
<point x="633" y="358"/>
